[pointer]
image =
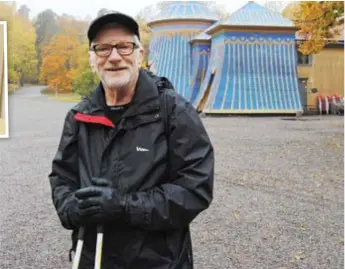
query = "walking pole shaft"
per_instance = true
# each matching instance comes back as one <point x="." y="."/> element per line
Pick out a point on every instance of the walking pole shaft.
<point x="77" y="256"/>
<point x="99" y="246"/>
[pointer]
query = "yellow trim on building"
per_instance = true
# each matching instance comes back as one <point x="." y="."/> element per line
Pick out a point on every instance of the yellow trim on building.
<point x="251" y="111"/>
<point x="172" y="22"/>
<point x="219" y="29"/>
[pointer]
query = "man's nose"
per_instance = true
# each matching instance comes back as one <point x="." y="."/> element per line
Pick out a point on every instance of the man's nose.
<point x="114" y="56"/>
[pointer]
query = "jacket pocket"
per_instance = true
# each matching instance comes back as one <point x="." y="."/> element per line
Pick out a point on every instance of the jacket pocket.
<point x="139" y="120"/>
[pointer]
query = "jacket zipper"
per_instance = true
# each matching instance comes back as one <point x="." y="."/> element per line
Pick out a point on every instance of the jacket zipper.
<point x="115" y="131"/>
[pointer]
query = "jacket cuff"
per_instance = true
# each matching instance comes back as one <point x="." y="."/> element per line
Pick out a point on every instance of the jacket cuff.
<point x="136" y="211"/>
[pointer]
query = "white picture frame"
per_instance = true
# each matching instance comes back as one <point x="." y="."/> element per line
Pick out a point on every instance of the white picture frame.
<point x="4" y="122"/>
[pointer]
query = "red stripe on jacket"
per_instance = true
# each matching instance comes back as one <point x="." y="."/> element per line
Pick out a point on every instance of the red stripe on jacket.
<point x="94" y="119"/>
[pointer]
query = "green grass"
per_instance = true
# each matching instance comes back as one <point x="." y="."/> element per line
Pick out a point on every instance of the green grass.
<point x="62" y="97"/>
<point x="66" y="97"/>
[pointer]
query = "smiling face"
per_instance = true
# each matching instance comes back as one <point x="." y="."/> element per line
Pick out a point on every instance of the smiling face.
<point x="116" y="71"/>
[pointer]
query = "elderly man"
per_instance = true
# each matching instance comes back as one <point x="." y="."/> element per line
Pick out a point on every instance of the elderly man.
<point x="118" y="166"/>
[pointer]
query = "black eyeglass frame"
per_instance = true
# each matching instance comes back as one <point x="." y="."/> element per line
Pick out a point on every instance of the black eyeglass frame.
<point x="134" y="47"/>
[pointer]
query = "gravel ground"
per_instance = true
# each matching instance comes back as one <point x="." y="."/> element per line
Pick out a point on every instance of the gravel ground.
<point x="278" y="200"/>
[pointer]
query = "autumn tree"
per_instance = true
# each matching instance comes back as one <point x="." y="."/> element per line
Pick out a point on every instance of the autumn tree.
<point x="46" y="28"/>
<point x="71" y="27"/>
<point x="144" y="31"/>
<point x="24" y="11"/>
<point x="59" y="64"/>
<point x="7" y="12"/>
<point x="319" y="23"/>
<point x="22" y="62"/>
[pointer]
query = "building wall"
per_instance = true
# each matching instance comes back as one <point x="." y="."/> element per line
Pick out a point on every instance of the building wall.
<point x="207" y="90"/>
<point x="200" y="57"/>
<point x="326" y="74"/>
<point x="171" y="53"/>
<point x="255" y="73"/>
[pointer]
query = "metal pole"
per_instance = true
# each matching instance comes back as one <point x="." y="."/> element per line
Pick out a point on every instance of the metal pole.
<point x="99" y="246"/>
<point x="80" y="243"/>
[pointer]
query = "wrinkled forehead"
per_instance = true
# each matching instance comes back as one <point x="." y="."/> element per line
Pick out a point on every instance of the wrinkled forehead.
<point x="113" y="32"/>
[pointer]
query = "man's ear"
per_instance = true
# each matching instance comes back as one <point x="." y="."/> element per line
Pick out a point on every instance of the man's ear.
<point x="92" y="61"/>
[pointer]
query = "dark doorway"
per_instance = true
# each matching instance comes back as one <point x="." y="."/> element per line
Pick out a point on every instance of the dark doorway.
<point x="303" y="92"/>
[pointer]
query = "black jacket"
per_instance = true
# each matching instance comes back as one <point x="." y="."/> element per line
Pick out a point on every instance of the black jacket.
<point x="165" y="196"/>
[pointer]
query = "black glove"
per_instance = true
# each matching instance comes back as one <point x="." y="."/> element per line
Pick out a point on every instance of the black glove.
<point x="74" y="216"/>
<point x="100" y="203"/>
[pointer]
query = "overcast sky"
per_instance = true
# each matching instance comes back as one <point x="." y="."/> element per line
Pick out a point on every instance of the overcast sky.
<point x="81" y="8"/>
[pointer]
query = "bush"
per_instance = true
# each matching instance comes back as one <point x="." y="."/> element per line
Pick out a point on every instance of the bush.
<point x="12" y="88"/>
<point x="45" y="91"/>
<point x="84" y="83"/>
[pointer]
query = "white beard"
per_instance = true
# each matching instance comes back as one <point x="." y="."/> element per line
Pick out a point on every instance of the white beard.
<point x="117" y="80"/>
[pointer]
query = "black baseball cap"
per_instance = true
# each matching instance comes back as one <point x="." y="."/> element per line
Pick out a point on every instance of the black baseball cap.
<point x="112" y="16"/>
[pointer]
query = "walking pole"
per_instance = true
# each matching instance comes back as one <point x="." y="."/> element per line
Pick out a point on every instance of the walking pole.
<point x="76" y="259"/>
<point x="99" y="246"/>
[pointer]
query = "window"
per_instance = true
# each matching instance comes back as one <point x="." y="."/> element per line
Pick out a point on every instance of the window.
<point x="303" y="59"/>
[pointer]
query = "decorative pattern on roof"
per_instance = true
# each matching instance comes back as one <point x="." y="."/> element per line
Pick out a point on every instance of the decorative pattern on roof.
<point x="186" y="10"/>
<point x="253" y="14"/>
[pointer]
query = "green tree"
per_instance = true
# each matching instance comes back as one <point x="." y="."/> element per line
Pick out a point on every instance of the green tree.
<point x="85" y="79"/>
<point x="46" y="28"/>
<point x="24" y="11"/>
<point x="85" y="82"/>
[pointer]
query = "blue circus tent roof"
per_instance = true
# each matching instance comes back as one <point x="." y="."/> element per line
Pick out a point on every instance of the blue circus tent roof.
<point x="185" y="10"/>
<point x="254" y="15"/>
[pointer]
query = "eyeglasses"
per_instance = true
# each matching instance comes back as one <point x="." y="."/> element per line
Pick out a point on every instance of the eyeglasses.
<point x="123" y="48"/>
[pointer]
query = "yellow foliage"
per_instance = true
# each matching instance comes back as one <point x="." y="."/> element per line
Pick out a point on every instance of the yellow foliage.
<point x="145" y="34"/>
<point x="60" y="62"/>
<point x="73" y="28"/>
<point x="318" y="21"/>
<point x="7" y="11"/>
<point x="22" y="58"/>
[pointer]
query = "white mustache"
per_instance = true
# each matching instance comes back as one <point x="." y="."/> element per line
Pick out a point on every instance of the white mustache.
<point x="115" y="68"/>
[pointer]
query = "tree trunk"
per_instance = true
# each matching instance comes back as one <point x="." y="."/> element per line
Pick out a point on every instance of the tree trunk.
<point x="21" y="81"/>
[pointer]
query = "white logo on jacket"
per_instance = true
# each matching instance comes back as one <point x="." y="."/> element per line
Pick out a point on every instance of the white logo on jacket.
<point x="142" y="149"/>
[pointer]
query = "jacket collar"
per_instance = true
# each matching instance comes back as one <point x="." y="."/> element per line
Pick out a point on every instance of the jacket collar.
<point x="145" y="97"/>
